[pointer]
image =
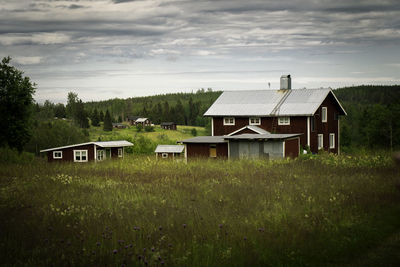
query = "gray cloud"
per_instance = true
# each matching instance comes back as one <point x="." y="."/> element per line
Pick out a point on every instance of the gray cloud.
<point x="200" y="33"/>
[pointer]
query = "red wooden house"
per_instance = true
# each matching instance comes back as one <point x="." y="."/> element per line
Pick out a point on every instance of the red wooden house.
<point x="269" y="121"/>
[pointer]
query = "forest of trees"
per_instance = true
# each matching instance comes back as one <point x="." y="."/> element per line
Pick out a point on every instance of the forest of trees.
<point x="372" y="120"/>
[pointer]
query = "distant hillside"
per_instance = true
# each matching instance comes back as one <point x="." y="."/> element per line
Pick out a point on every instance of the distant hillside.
<point x="372" y="121"/>
<point x="369" y="94"/>
<point x="182" y="108"/>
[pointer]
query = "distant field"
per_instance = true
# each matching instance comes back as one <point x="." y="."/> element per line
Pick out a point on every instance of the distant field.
<point x="328" y="210"/>
<point x="182" y="132"/>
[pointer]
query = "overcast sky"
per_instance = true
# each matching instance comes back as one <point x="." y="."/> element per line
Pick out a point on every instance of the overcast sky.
<point x="121" y="48"/>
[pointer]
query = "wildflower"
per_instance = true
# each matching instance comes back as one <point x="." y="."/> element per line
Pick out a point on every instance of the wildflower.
<point x="160" y="228"/>
<point x="184" y="225"/>
<point x="130" y="245"/>
<point x="245" y="238"/>
<point x="152" y="249"/>
<point x="159" y="258"/>
<point x="139" y="257"/>
<point x="115" y="251"/>
<point x="145" y="263"/>
<point x="220" y="225"/>
<point x="98" y="244"/>
<point x="162" y="262"/>
<point x="93" y="252"/>
<point x="144" y="250"/>
<point x="126" y="247"/>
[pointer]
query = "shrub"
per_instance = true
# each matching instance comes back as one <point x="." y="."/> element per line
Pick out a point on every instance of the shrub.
<point x="149" y="128"/>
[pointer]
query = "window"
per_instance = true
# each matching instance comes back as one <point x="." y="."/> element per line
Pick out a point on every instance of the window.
<point x="229" y="121"/>
<point x="80" y="156"/>
<point x="332" y="140"/>
<point x="320" y="141"/>
<point x="57" y="154"/>
<point x="284" y="121"/>
<point x="255" y="121"/>
<point x="213" y="151"/>
<point x="164" y="155"/>
<point x="120" y="153"/>
<point x="312" y="123"/>
<point x="324" y="115"/>
<point x="336" y="116"/>
<point x="100" y="155"/>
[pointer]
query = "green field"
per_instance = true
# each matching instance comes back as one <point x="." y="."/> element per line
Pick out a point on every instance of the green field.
<point x="329" y="210"/>
<point x="182" y="132"/>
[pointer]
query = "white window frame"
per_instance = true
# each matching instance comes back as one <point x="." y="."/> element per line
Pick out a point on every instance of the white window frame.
<point x="80" y="155"/>
<point x="283" y="120"/>
<point x="231" y="121"/>
<point x="254" y="121"/>
<point x="331" y="140"/>
<point x="120" y="152"/>
<point x="57" y="157"/>
<point x="101" y="152"/>
<point x="164" y="155"/>
<point x="324" y="114"/>
<point x="320" y="144"/>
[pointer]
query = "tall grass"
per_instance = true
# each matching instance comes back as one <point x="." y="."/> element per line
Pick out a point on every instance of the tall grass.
<point x="328" y="210"/>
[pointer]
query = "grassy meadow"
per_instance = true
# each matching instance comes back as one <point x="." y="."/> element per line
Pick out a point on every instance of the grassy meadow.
<point x="159" y="134"/>
<point x="322" y="211"/>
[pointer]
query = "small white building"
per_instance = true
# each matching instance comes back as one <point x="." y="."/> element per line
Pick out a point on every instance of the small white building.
<point x="169" y="151"/>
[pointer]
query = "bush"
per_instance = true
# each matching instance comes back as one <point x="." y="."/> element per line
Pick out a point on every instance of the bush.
<point x="139" y="127"/>
<point x="193" y="132"/>
<point x="13" y="156"/>
<point x="149" y="128"/>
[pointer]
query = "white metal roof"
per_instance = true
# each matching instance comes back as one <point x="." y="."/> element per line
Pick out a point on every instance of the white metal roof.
<point x="251" y="127"/>
<point x="205" y="139"/>
<point x="294" y="102"/>
<point x="113" y="143"/>
<point x="169" y="149"/>
<point x="141" y="119"/>
<point x="120" y="143"/>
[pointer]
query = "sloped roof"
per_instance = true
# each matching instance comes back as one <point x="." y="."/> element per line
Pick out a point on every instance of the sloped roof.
<point x="169" y="149"/>
<point x="167" y="123"/>
<point x="205" y="139"/>
<point x="294" y="102"/>
<point x="260" y="136"/>
<point x="251" y="127"/>
<point x="120" y="143"/>
<point x="141" y="119"/>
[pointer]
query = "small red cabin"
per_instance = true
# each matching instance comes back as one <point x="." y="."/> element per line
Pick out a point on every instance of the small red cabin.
<point x="85" y="152"/>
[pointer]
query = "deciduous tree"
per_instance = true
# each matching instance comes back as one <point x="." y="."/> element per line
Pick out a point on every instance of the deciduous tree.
<point x="16" y="105"/>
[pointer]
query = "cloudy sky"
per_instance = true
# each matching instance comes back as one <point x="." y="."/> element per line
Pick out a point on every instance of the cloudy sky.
<point x="104" y="49"/>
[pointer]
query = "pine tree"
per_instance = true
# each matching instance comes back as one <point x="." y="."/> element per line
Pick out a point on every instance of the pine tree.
<point x="180" y="113"/>
<point x="95" y="118"/>
<point x="101" y="116"/>
<point x="107" y="122"/>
